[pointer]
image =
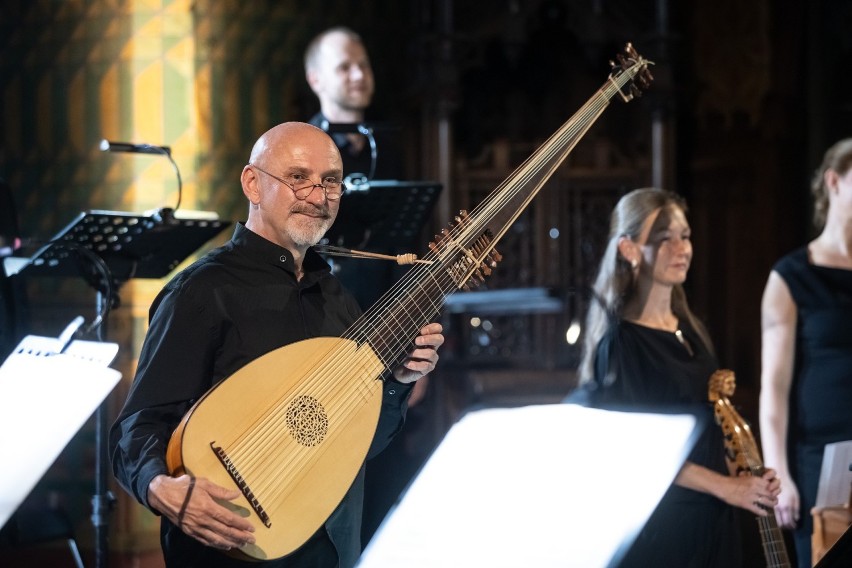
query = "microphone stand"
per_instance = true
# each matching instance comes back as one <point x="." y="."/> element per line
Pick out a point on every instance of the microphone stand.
<point x="103" y="500"/>
<point x="102" y="280"/>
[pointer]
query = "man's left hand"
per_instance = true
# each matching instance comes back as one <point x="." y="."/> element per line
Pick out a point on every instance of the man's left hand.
<point x="422" y="359"/>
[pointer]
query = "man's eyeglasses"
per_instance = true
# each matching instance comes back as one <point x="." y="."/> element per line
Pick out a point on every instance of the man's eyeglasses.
<point x="303" y="186"/>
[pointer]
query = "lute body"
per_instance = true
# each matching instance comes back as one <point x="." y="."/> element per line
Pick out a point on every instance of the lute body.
<point x="309" y="424"/>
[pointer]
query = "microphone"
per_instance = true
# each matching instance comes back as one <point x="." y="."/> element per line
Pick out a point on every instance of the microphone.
<point x="110" y="146"/>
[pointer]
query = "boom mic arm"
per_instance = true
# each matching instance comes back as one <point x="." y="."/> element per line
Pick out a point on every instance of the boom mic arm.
<point x="110" y="146"/>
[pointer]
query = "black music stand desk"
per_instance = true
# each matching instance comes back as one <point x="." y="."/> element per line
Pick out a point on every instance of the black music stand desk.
<point x="133" y="245"/>
<point x="130" y="245"/>
<point x="383" y="215"/>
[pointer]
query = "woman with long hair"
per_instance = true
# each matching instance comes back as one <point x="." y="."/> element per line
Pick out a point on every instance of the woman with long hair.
<point x="645" y="349"/>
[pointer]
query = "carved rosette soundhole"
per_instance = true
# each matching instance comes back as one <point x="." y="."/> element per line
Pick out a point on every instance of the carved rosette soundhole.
<point x="307" y="421"/>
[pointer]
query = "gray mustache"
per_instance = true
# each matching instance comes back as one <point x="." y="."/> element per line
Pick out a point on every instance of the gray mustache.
<point x="323" y="211"/>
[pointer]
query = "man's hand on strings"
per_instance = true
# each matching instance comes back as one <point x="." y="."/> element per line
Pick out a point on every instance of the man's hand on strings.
<point x="192" y="504"/>
<point x="422" y="359"/>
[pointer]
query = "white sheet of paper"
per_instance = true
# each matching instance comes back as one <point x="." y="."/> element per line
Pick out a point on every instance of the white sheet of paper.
<point x="835" y="478"/>
<point x="45" y="399"/>
<point x="544" y="486"/>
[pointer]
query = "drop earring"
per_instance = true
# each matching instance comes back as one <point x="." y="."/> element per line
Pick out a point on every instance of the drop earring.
<point x="634" y="263"/>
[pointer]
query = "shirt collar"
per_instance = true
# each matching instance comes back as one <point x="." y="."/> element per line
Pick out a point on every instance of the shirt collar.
<point x="267" y="252"/>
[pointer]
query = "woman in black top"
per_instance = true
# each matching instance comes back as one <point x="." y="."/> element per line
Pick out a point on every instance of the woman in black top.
<point x="645" y="349"/>
<point x="806" y="379"/>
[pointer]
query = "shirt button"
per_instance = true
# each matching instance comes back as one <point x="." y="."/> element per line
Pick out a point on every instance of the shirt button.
<point x="282" y="258"/>
<point x="391" y="391"/>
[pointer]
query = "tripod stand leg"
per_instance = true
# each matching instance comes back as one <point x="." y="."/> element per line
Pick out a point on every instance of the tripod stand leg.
<point x="103" y="500"/>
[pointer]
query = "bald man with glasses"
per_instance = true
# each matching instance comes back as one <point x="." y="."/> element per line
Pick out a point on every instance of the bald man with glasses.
<point x="264" y="289"/>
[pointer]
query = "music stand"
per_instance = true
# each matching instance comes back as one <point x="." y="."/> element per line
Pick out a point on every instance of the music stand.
<point x="67" y="383"/>
<point x="132" y="246"/>
<point x="383" y="215"/>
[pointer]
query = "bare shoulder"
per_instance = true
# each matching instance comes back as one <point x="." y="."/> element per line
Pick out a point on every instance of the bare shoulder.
<point x="777" y="305"/>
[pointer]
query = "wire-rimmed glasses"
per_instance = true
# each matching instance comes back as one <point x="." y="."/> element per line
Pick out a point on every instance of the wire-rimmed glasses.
<point x="303" y="186"/>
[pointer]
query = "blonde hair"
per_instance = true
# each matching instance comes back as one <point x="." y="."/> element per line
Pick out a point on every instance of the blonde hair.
<point x="313" y="49"/>
<point x="839" y="159"/>
<point x="615" y="284"/>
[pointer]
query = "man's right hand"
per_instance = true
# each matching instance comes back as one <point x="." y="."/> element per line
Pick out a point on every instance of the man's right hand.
<point x="193" y="505"/>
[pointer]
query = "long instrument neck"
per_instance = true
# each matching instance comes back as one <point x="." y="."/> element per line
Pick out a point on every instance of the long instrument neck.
<point x="774" y="549"/>
<point x="392" y="323"/>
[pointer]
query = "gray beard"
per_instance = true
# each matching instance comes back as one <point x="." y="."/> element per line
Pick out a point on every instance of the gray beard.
<point x="309" y="234"/>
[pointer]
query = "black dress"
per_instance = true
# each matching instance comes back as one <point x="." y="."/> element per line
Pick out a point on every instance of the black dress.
<point x="638" y="367"/>
<point x="821" y="392"/>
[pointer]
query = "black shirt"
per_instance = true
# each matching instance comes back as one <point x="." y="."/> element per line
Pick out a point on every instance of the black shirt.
<point x="388" y="155"/>
<point x="235" y="304"/>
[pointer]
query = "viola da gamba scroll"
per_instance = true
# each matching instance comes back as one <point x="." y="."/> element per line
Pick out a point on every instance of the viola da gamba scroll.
<point x="742" y="452"/>
<point x="291" y="429"/>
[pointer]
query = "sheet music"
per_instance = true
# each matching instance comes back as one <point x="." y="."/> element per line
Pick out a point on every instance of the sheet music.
<point x="835" y="479"/>
<point x="546" y="486"/>
<point x="46" y="395"/>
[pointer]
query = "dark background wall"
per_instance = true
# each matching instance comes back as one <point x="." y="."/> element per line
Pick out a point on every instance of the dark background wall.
<point x="750" y="94"/>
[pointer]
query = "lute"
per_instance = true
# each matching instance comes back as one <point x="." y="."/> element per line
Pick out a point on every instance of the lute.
<point x="292" y="428"/>
<point x="741" y="451"/>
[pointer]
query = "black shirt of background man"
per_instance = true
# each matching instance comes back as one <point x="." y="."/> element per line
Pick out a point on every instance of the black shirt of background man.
<point x="233" y="305"/>
<point x="388" y="151"/>
<point x="367" y="279"/>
